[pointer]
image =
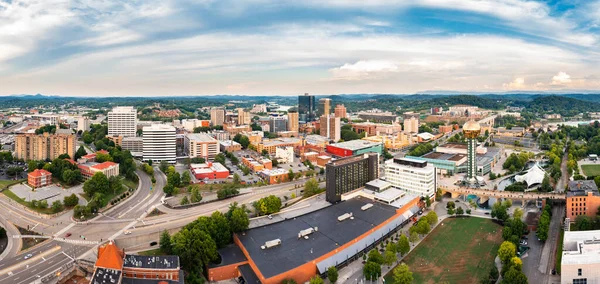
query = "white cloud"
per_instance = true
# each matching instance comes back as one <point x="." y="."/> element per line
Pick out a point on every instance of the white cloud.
<point x="363" y="69"/>
<point x="516" y="84"/>
<point x="561" y="78"/>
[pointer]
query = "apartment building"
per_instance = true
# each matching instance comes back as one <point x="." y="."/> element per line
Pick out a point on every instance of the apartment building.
<point x="45" y="146"/>
<point x="292" y="121"/>
<point x="217" y="116"/>
<point x="122" y="121"/>
<point x="159" y="143"/>
<point x="201" y="145"/>
<point x="347" y="174"/>
<point x="582" y="199"/>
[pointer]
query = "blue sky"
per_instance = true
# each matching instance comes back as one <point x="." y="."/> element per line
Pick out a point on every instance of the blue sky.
<point x="260" y="47"/>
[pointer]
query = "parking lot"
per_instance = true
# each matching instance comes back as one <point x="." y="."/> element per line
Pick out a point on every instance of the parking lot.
<point x="49" y="193"/>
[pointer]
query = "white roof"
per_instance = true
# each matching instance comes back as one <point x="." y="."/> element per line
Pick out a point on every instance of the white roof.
<point x="581" y="247"/>
<point x="426" y="135"/>
<point x="535" y="175"/>
<point x="200" y="137"/>
<point x="389" y="194"/>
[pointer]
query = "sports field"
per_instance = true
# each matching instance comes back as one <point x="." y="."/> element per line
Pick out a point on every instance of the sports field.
<point x="462" y="250"/>
<point x="591" y="170"/>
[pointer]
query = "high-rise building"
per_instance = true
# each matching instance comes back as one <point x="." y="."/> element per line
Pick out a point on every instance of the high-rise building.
<point x="83" y="124"/>
<point x="45" y="146"/>
<point x="347" y="174"/>
<point x="340" y="111"/>
<point x="159" y="143"/>
<point x="324" y="107"/>
<point x="277" y="123"/>
<point x="413" y="176"/>
<point x="243" y="116"/>
<point x="217" y="116"/>
<point x="122" y="121"/>
<point x="471" y="129"/>
<point x="201" y="145"/>
<point x="292" y="121"/>
<point x="411" y="125"/>
<point x="306" y="107"/>
<point x="330" y="127"/>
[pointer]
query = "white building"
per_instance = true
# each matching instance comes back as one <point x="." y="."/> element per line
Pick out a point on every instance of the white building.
<point x="159" y="143"/>
<point x="190" y="124"/>
<point x="201" y="145"/>
<point x="285" y="154"/>
<point x="581" y="257"/>
<point x="83" y="124"/>
<point x="217" y="116"/>
<point x="413" y="176"/>
<point x="122" y="121"/>
<point x="411" y="125"/>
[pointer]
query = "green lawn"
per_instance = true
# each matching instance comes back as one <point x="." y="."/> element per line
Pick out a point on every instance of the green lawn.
<point x="131" y="184"/>
<point x="591" y="170"/>
<point x="462" y="250"/>
<point x="6" y="183"/>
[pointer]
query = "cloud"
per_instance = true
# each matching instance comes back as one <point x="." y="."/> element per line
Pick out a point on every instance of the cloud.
<point x="516" y="84"/>
<point x="363" y="69"/>
<point x="561" y="78"/>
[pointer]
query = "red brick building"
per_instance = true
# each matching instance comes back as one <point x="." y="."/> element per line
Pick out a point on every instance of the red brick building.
<point x="209" y="171"/>
<point x="39" y="178"/>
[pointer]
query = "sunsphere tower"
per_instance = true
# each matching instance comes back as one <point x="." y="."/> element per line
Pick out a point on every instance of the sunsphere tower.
<point x="471" y="129"/>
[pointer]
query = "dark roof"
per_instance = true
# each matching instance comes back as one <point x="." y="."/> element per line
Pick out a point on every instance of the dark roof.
<point x="151" y="262"/>
<point x="151" y="281"/>
<point x="582" y="187"/>
<point x="105" y="276"/>
<point x="330" y="234"/>
<point x="229" y="255"/>
<point x="248" y="274"/>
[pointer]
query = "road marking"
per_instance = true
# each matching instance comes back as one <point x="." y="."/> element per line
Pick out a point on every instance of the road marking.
<point x="64" y="230"/>
<point x="34" y="227"/>
<point x="43" y="258"/>
<point x="67" y="255"/>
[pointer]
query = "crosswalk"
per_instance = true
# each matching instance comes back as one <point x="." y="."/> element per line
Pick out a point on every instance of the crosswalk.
<point x="76" y="241"/>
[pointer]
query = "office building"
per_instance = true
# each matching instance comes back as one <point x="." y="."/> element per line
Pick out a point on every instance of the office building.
<point x="411" y="125"/>
<point x="83" y="124"/>
<point x="285" y="154"/>
<point x="583" y="199"/>
<point x="379" y="117"/>
<point x="45" y="146"/>
<point x="39" y="178"/>
<point x="580" y="263"/>
<point x="209" y="171"/>
<point x="122" y="121"/>
<point x="330" y="127"/>
<point x="354" y="147"/>
<point x="340" y="111"/>
<point x="306" y="108"/>
<point x="243" y="117"/>
<point x="217" y="116"/>
<point x="292" y="121"/>
<point x="347" y="174"/>
<point x="413" y="176"/>
<point x="113" y="266"/>
<point x="133" y="144"/>
<point x="190" y="124"/>
<point x="277" y="123"/>
<point x="159" y="143"/>
<point x="271" y="144"/>
<point x="201" y="145"/>
<point x="90" y="168"/>
<point x="324" y="107"/>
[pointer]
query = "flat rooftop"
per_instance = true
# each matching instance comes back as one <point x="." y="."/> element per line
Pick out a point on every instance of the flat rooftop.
<point x="331" y="234"/>
<point x="454" y="146"/>
<point x="581" y="247"/>
<point x="151" y="262"/>
<point x="356" y="144"/>
<point x="230" y="254"/>
<point x="200" y="137"/>
<point x="105" y="276"/>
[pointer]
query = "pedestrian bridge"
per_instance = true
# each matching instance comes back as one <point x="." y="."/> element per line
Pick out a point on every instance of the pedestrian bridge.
<point x="455" y="191"/>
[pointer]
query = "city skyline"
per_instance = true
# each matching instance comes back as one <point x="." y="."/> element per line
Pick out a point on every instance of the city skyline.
<point x="259" y="47"/>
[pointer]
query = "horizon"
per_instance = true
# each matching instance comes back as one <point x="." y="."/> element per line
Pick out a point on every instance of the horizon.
<point x="287" y="48"/>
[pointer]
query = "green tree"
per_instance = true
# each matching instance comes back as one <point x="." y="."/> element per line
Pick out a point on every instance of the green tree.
<point x="291" y="175"/>
<point x="186" y="178"/>
<point x="57" y="206"/>
<point x="389" y="257"/>
<point x="100" y="158"/>
<point x="43" y="204"/>
<point x="403" y="245"/>
<point x="238" y="218"/>
<point x="236" y="179"/>
<point x="80" y="153"/>
<point x="402" y="274"/>
<point x="414" y="237"/>
<point x="507" y="251"/>
<point x="268" y="205"/>
<point x="423" y="227"/>
<point x="432" y="218"/>
<point x="164" y="165"/>
<point x="459" y="211"/>
<point x="195" y="195"/>
<point x="194" y="247"/>
<point x="71" y="200"/>
<point x="169" y="189"/>
<point x="311" y="187"/>
<point x="372" y="270"/>
<point x="244" y="141"/>
<point x="316" y="280"/>
<point x="332" y="274"/>
<point x="165" y="242"/>
<point x="514" y="276"/>
<point x="375" y="256"/>
<point x="184" y="201"/>
<point x="546" y="184"/>
<point x="288" y="281"/>
<point x="97" y="184"/>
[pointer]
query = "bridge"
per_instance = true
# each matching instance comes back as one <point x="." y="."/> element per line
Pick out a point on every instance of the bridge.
<point x="487" y="193"/>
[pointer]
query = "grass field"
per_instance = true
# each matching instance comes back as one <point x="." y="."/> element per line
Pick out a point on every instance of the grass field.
<point x="462" y="250"/>
<point x="591" y="170"/>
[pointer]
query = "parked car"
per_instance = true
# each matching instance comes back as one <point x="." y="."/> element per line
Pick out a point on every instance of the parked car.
<point x="523" y="242"/>
<point x="127" y="232"/>
<point x="270" y="217"/>
<point x="487" y="213"/>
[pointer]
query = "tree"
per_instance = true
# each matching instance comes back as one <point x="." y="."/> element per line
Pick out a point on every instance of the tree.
<point x="514" y="276"/>
<point x="375" y="256"/>
<point x="423" y="227"/>
<point x="194" y="247"/>
<point x="97" y="184"/>
<point x="332" y="274"/>
<point x="244" y="141"/>
<point x="459" y="211"/>
<point x="186" y="178"/>
<point x="432" y="218"/>
<point x="173" y="178"/>
<point x="414" y="237"/>
<point x="546" y="184"/>
<point x="311" y="187"/>
<point x="100" y="158"/>
<point x="169" y="189"/>
<point x="43" y="204"/>
<point x="115" y="184"/>
<point x="468" y="211"/>
<point x="402" y="274"/>
<point x="427" y="201"/>
<point x="389" y="257"/>
<point x="507" y="251"/>
<point x="184" y="201"/>
<point x="195" y="195"/>
<point x="518" y="213"/>
<point x="403" y="245"/>
<point x="71" y="200"/>
<point x="288" y="281"/>
<point x="236" y="179"/>
<point x="316" y="280"/>
<point x="238" y="218"/>
<point x="164" y="165"/>
<point x="80" y="153"/>
<point x="372" y="270"/>
<point x="291" y="175"/>
<point x="268" y="205"/>
<point x="57" y="206"/>
<point x="165" y="242"/>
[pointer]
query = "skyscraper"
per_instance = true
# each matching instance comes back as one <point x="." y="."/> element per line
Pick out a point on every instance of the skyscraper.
<point x="340" y="111"/>
<point x="471" y="129"/>
<point x="122" y="121"/>
<point x="159" y="143"/>
<point x="292" y="122"/>
<point x="217" y="116"/>
<point x="411" y="125"/>
<point x="306" y="107"/>
<point x="243" y="116"/>
<point x="324" y="107"/>
<point x="277" y="123"/>
<point x="347" y="174"/>
<point x="330" y="127"/>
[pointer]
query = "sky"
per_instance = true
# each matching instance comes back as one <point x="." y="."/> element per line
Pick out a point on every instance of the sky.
<point x="261" y="47"/>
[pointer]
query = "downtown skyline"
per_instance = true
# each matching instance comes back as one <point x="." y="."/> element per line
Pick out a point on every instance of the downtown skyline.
<point x="258" y="47"/>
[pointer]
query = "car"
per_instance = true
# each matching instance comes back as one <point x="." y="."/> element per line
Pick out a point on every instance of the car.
<point x="67" y="235"/>
<point x="127" y="232"/>
<point x="270" y="216"/>
<point x="487" y="213"/>
<point x="153" y="244"/>
<point x="28" y="256"/>
<point x="420" y="212"/>
<point x="457" y="200"/>
<point x="523" y="242"/>
<point x="524" y="237"/>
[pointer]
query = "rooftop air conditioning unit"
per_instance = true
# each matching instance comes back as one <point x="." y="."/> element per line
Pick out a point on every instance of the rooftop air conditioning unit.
<point x="305" y="233"/>
<point x="270" y="244"/>
<point x="344" y="217"/>
<point x="366" y="206"/>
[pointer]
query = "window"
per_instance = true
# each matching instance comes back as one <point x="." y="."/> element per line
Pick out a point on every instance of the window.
<point x="580" y="281"/>
<point x="579" y="272"/>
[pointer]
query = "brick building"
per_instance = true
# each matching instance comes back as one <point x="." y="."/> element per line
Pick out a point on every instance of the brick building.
<point x="582" y="199"/>
<point x="39" y="178"/>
